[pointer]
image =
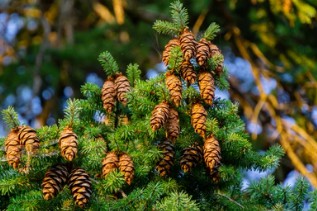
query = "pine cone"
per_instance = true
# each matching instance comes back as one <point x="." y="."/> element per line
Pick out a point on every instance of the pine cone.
<point x="172" y="125"/>
<point x="203" y="51"/>
<point x="188" y="44"/>
<point x="123" y="119"/>
<point x="174" y="85"/>
<point x="212" y="155"/>
<point x="167" y="50"/>
<point x="165" y="164"/>
<point x="159" y="115"/>
<point x="80" y="185"/>
<point x="215" y="51"/>
<point x="109" y="163"/>
<point x="108" y="95"/>
<point x="187" y="72"/>
<point x="54" y="180"/>
<point x="68" y="144"/>
<point x="122" y="87"/>
<point x="207" y="87"/>
<point x="198" y="119"/>
<point x="126" y="167"/>
<point x="28" y="138"/>
<point x="13" y="148"/>
<point x="191" y="157"/>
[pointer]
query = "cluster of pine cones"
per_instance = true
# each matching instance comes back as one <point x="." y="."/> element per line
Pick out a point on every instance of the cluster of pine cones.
<point x="165" y="115"/>
<point x="113" y="89"/>
<point x="19" y="137"/>
<point x="77" y="180"/>
<point x="121" y="161"/>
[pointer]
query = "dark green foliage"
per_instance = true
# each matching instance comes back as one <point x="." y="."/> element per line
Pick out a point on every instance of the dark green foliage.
<point x="108" y="63"/>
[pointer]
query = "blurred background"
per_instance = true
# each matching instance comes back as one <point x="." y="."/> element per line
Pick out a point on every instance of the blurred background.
<point x="48" y="49"/>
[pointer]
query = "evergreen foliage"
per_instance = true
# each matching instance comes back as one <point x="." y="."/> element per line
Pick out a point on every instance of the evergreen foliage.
<point x="100" y="132"/>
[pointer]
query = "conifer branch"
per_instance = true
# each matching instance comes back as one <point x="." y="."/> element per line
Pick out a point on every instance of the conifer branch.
<point x="72" y="111"/>
<point x="211" y="31"/>
<point x="133" y="73"/>
<point x="179" y="14"/>
<point x="165" y="27"/>
<point x="176" y="58"/>
<point x="10" y="117"/>
<point x="108" y="63"/>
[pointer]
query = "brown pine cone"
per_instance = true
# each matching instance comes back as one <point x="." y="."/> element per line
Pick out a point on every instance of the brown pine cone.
<point x="214" y="52"/>
<point x="187" y="72"/>
<point x="203" y="51"/>
<point x="80" y="185"/>
<point x="68" y="144"/>
<point x="165" y="164"/>
<point x="122" y="86"/>
<point x="159" y="115"/>
<point x="13" y="148"/>
<point x="109" y="163"/>
<point x="191" y="157"/>
<point x="174" y="85"/>
<point x="28" y="138"/>
<point x="108" y="95"/>
<point x="126" y="167"/>
<point x="54" y="180"/>
<point x="167" y="50"/>
<point x="212" y="156"/>
<point x="207" y="87"/>
<point x="198" y="119"/>
<point x="172" y="125"/>
<point x="188" y="44"/>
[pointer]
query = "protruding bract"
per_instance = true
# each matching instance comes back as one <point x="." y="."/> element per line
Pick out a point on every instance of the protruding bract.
<point x="187" y="72"/>
<point x="191" y="157"/>
<point x="122" y="86"/>
<point x="167" y="161"/>
<point x="159" y="115"/>
<point x="108" y="95"/>
<point x="167" y="50"/>
<point x="126" y="167"/>
<point x="80" y="185"/>
<point x="174" y="85"/>
<point x="109" y="163"/>
<point x="13" y="148"/>
<point x="172" y="125"/>
<point x="68" y="144"/>
<point x="28" y="139"/>
<point x="54" y="180"/>
<point x="198" y="119"/>
<point x="212" y="156"/>
<point x="203" y="51"/>
<point x="188" y="44"/>
<point x="206" y="86"/>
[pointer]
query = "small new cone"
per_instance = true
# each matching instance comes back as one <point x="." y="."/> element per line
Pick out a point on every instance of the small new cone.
<point x="167" y="50"/>
<point x="212" y="156"/>
<point x="109" y="163"/>
<point x="207" y="87"/>
<point x="108" y="95"/>
<point x="191" y="157"/>
<point x="126" y="167"/>
<point x="80" y="185"/>
<point x="54" y="180"/>
<point x="198" y="119"/>
<point x="13" y="148"/>
<point x="172" y="125"/>
<point x="122" y="86"/>
<point x="28" y="139"/>
<point x="174" y="86"/>
<point x="188" y="44"/>
<point x="68" y="144"/>
<point x="165" y="164"/>
<point x="159" y="115"/>
<point x="187" y="72"/>
<point x="203" y="51"/>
